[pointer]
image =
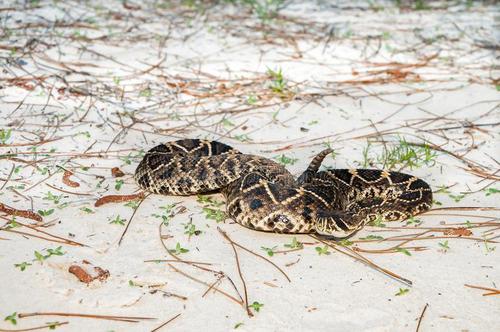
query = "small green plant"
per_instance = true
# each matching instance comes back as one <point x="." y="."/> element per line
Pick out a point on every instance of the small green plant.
<point x="444" y="245"/>
<point x="372" y="237"/>
<point x="402" y="291"/>
<point x="403" y="251"/>
<point x="133" y="204"/>
<point x="456" y="198"/>
<point x="322" y="250"/>
<point x="408" y="155"/>
<point x="378" y="222"/>
<point x="55" y="252"/>
<point x="491" y="191"/>
<point x="118" y="184"/>
<point x="278" y="84"/>
<point x="242" y="138"/>
<point x="45" y="213"/>
<point x="251" y="100"/>
<point x="295" y="244"/>
<point x="145" y="93"/>
<point x="237" y="325"/>
<point x="22" y="266"/>
<point x="12" y="224"/>
<point x="488" y="248"/>
<point x="133" y="157"/>
<point x="166" y="214"/>
<point x="214" y="214"/>
<point x="40" y="257"/>
<point x="269" y="251"/>
<point x="256" y="306"/>
<point x="117" y="221"/>
<point x="212" y="208"/>
<point x="5" y="135"/>
<point x="178" y="249"/>
<point x="190" y="229"/>
<point x="265" y="10"/>
<point x="413" y="221"/>
<point x="345" y="242"/>
<point x="284" y="160"/>
<point x="52" y="325"/>
<point x="87" y="210"/>
<point x="226" y="123"/>
<point x="421" y="5"/>
<point x="367" y="161"/>
<point x="12" y="318"/>
<point x="54" y="198"/>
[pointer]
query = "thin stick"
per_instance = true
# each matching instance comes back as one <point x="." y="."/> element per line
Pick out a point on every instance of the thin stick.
<point x="175" y="261"/>
<point x="255" y="254"/>
<point x="206" y="284"/>
<point x="48" y="326"/>
<point x="421" y="316"/>
<point x="131" y="319"/>
<point x="493" y="291"/>
<point x="168" y="321"/>
<point x="362" y="259"/>
<point x="130" y="219"/>
<point x="245" y="292"/>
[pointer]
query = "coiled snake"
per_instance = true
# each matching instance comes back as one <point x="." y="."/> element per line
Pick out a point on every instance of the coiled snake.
<point x="262" y="195"/>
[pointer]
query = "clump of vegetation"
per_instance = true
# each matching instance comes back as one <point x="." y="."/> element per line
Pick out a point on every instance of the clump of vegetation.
<point x="401" y="155"/>
<point x="278" y="84"/>
<point x="212" y="208"/>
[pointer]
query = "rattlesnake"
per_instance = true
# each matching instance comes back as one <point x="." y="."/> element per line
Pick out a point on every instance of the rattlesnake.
<point x="262" y="194"/>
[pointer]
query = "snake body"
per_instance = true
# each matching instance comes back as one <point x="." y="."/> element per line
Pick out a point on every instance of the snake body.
<point x="261" y="194"/>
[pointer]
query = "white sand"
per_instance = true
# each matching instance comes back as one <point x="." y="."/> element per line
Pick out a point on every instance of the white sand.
<point x="327" y="292"/>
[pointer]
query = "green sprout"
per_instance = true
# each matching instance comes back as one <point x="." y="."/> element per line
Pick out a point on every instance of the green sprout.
<point x="322" y="250"/>
<point x="178" y="249"/>
<point x="256" y="306"/>
<point x="295" y="244"/>
<point x="402" y="291"/>
<point x="270" y="251"/>
<point x="117" y="221"/>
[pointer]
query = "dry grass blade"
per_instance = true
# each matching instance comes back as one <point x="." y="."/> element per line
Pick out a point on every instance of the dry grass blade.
<point x="49" y="326"/>
<point x="245" y="291"/>
<point x="421" y="317"/>
<point x="491" y="291"/>
<point x="130" y="319"/>
<point x="164" y="324"/>
<point x="365" y="260"/>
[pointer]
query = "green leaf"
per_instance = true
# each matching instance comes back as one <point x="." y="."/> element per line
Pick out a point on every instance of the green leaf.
<point x="345" y="242"/>
<point x="55" y="252"/>
<point x="118" y="184"/>
<point x="284" y="160"/>
<point x="404" y="251"/>
<point x="22" y="266"/>
<point x="45" y="213"/>
<point x="269" y="251"/>
<point x="294" y="244"/>
<point x="256" y="306"/>
<point x="491" y="191"/>
<point x="11" y="318"/>
<point x="322" y="250"/>
<point x="372" y="237"/>
<point x="39" y="257"/>
<point x="402" y="291"/>
<point x="87" y="210"/>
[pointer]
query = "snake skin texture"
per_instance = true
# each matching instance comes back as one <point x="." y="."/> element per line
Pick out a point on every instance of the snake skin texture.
<point x="262" y="194"/>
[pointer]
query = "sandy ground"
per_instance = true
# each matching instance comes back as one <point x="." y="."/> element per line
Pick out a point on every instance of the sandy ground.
<point x="89" y="87"/>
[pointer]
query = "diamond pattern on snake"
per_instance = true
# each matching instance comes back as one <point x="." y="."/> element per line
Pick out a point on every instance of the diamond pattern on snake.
<point x="263" y="195"/>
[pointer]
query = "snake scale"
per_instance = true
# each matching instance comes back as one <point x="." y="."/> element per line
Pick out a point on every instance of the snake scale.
<point x="263" y="195"/>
